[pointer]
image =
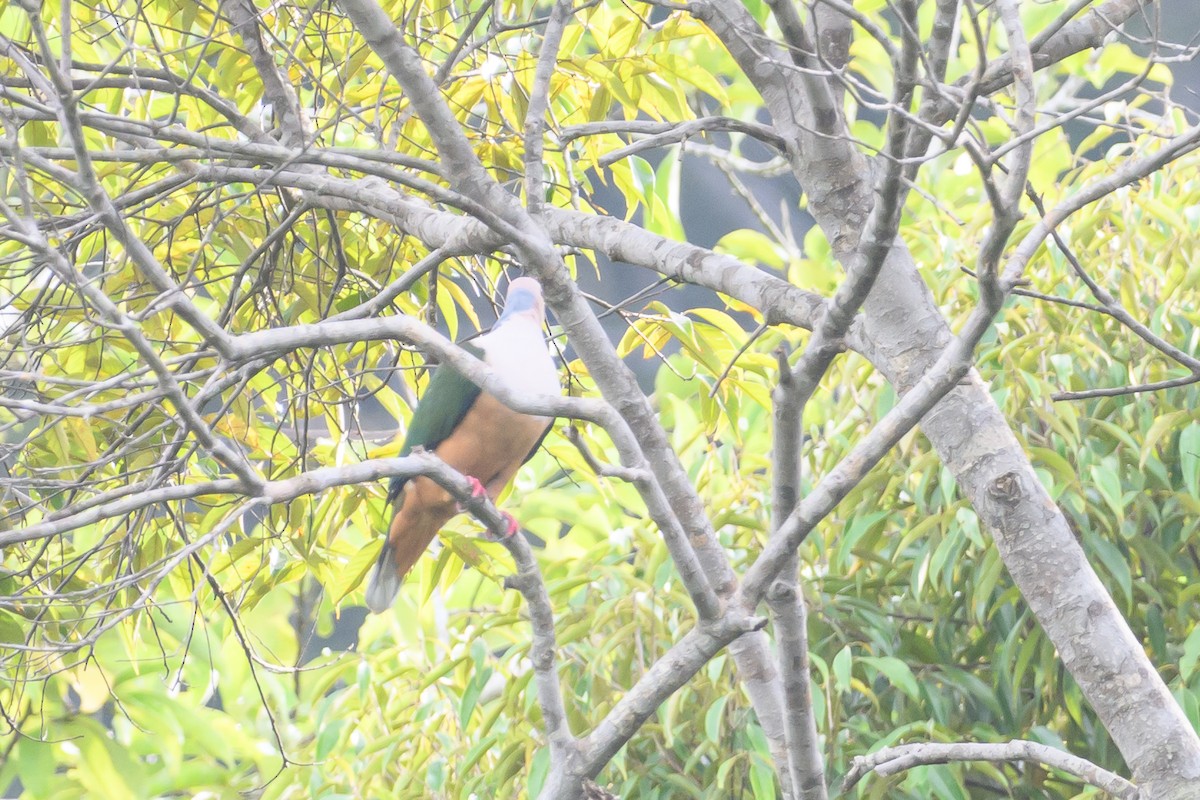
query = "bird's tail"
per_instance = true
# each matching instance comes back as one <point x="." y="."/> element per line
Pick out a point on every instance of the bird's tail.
<point x="385" y="580"/>
<point x="408" y="538"/>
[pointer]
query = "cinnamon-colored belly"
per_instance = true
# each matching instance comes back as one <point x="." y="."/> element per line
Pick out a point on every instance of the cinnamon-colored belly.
<point x="489" y="444"/>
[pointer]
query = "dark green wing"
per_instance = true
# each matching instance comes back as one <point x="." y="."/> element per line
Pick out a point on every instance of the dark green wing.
<point x="446" y="401"/>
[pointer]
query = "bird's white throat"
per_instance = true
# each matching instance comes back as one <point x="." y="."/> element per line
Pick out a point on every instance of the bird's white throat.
<point x="517" y="351"/>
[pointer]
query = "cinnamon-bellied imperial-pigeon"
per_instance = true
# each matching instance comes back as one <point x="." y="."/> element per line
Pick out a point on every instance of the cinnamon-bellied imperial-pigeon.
<point x="471" y="431"/>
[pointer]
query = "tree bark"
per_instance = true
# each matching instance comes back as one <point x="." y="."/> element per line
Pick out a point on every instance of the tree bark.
<point x="904" y="329"/>
<point x="903" y="332"/>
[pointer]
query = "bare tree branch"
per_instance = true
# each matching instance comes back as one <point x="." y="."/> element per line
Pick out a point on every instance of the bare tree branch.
<point x="786" y="598"/>
<point x="893" y="760"/>
<point x="529" y="582"/>
<point x="664" y="678"/>
<point x="178" y="403"/>
<point x="1113" y="308"/>
<point x="539" y="103"/>
<point x="293" y="124"/>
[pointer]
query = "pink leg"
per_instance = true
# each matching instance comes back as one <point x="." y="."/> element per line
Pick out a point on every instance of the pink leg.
<point x="477" y="491"/>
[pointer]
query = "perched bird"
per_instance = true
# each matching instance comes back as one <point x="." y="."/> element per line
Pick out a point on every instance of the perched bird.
<point x="471" y="431"/>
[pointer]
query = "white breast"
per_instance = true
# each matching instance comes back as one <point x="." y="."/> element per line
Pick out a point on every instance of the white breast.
<point x="517" y="351"/>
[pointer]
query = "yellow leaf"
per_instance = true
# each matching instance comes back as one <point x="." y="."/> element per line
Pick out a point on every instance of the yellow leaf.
<point x="81" y="431"/>
<point x="351" y="576"/>
<point x="91" y="685"/>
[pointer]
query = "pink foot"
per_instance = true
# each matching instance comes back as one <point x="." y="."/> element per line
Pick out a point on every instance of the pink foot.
<point x="510" y="528"/>
<point x="477" y="491"/>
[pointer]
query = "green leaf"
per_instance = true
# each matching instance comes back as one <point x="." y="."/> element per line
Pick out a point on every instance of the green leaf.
<point x="35" y="765"/>
<point x="945" y="784"/>
<point x="1107" y="480"/>
<point x="762" y="774"/>
<point x="752" y="247"/>
<point x="471" y="695"/>
<point x="762" y="780"/>
<point x="1191" y="655"/>
<point x="475" y="552"/>
<point x="1161" y="426"/>
<point x="1190" y="704"/>
<point x="897" y="672"/>
<point x="842" y="665"/>
<point x="351" y="576"/>
<point x="712" y="719"/>
<point x="328" y="739"/>
<point x="100" y="773"/>
<point x="1156" y="631"/>
<point x="11" y="628"/>
<point x="1189" y="458"/>
<point x="1115" y="563"/>
<point x="538" y="771"/>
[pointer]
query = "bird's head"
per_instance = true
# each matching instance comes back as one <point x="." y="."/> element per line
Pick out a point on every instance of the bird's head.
<point x="524" y="300"/>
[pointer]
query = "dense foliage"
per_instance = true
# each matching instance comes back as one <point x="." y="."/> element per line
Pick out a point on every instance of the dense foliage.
<point x="212" y="682"/>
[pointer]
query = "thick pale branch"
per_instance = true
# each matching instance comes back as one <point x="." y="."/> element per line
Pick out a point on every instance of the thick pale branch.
<point x="277" y="341"/>
<point x="671" y="499"/>
<point x="839" y="188"/>
<point x="893" y="760"/>
<point x="539" y="102"/>
<point x="504" y="215"/>
<point x="602" y="469"/>
<point x="786" y="598"/>
<point x="562" y="294"/>
<point x="282" y="490"/>
<point x="280" y="93"/>
<point x="124" y="503"/>
<point x="1006" y="199"/>
<point x="777" y="300"/>
<point x="1068" y="39"/>
<point x="454" y="234"/>
<point x="941" y="377"/>
<point x="634" y="461"/>
<point x="529" y="582"/>
<point x="790" y="614"/>
<point x="664" y="678"/>
<point x="938" y="380"/>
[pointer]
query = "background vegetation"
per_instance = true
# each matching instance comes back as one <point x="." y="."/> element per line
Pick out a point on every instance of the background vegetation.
<point x="180" y="650"/>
